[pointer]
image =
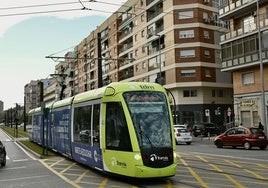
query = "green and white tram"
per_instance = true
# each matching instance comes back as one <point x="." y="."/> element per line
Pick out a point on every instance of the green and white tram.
<point x="124" y="128"/>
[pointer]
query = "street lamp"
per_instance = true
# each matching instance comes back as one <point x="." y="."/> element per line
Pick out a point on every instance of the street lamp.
<point x="261" y="71"/>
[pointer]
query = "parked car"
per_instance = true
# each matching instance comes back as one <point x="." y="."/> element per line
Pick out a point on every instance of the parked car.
<point x="182" y="135"/>
<point x="205" y="129"/>
<point x="246" y="137"/>
<point x="2" y="154"/>
<point x="181" y="126"/>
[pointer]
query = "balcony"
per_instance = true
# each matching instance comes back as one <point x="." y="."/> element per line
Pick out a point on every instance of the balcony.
<point x="235" y="9"/>
<point x="245" y="61"/>
<point x="243" y="31"/>
<point x="126" y="47"/>
<point x="154" y="11"/>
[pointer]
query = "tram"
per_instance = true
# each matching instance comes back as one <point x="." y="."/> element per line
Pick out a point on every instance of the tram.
<point x="124" y="128"/>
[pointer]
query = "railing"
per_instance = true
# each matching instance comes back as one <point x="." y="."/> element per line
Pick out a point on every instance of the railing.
<point x="246" y="59"/>
<point x="253" y="27"/>
<point x="126" y="47"/>
<point x="234" y="5"/>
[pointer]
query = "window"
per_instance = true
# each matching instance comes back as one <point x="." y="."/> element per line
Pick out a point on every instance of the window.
<point x="188" y="73"/>
<point x="265" y="39"/>
<point x="247" y="78"/>
<point x="205" y="15"/>
<point x="186" y="15"/>
<point x="219" y="93"/>
<point x="144" y="65"/>
<point x="226" y="51"/>
<point x="117" y="135"/>
<point x="142" y="33"/>
<point x="142" y="17"/>
<point x="208" y="73"/>
<point x="237" y="48"/>
<point x="96" y="123"/>
<point x="249" y="24"/>
<point x="187" y="34"/>
<point x="189" y="93"/>
<point x="187" y="53"/>
<point x="82" y="124"/>
<point x="250" y="44"/>
<point x="136" y="37"/>
<point x="136" y="52"/>
<point x="137" y="68"/>
<point x="206" y="34"/>
<point x="207" y="53"/>
<point x="143" y="49"/>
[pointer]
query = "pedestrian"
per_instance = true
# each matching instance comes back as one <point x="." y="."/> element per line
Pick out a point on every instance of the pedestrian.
<point x="261" y="126"/>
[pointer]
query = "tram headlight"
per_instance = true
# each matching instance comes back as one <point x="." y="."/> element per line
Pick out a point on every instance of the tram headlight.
<point x="174" y="155"/>
<point x="137" y="157"/>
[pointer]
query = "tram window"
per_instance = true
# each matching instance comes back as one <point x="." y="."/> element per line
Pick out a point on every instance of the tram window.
<point x="82" y="124"/>
<point x="117" y="135"/>
<point x="96" y="122"/>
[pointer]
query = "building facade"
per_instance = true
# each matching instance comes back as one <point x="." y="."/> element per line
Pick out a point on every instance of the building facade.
<point x="174" y="43"/>
<point x="245" y="55"/>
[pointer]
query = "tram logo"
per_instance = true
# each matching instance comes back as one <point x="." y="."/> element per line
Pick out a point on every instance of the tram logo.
<point x="114" y="162"/>
<point x="154" y="157"/>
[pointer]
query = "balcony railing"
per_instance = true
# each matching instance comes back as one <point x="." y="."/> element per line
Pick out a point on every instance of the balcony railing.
<point x="245" y="60"/>
<point x="239" y="32"/>
<point x="235" y="5"/>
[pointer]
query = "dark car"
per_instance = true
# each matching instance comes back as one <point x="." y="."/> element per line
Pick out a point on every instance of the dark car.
<point x="205" y="129"/>
<point x="2" y="154"/>
<point x="246" y="137"/>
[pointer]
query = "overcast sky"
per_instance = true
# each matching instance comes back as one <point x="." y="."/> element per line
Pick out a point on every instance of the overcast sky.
<point x="30" y="30"/>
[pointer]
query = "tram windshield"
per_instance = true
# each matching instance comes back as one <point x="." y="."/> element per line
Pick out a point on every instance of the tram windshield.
<point x="150" y="116"/>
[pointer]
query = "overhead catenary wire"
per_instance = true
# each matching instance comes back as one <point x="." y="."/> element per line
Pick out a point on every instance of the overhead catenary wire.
<point x="50" y="5"/>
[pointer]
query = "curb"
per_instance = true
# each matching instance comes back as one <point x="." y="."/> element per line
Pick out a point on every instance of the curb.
<point x="28" y="149"/>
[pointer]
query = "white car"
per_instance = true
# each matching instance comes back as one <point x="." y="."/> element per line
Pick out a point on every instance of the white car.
<point x="182" y="135"/>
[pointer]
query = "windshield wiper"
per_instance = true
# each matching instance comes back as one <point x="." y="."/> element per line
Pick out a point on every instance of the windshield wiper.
<point x="145" y="135"/>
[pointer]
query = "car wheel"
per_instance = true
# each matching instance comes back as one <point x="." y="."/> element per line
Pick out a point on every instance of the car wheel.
<point x="247" y="145"/>
<point x="3" y="162"/>
<point x="177" y="143"/>
<point x="188" y="143"/>
<point x="218" y="144"/>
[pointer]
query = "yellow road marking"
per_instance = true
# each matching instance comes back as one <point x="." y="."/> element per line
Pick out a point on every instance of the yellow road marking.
<point x="234" y="164"/>
<point x="169" y="184"/>
<point x="60" y="175"/>
<point x="234" y="181"/>
<point x="70" y="166"/>
<point x="202" y="159"/>
<point x="216" y="168"/>
<point x="183" y="162"/>
<point x="103" y="183"/>
<point x="262" y="165"/>
<point x="255" y="174"/>
<point x="195" y="175"/>
<point x="53" y="164"/>
<point x="81" y="176"/>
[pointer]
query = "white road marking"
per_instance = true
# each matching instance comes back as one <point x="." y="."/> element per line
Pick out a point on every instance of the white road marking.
<point x="20" y="160"/>
<point x="24" y="178"/>
<point x="232" y="157"/>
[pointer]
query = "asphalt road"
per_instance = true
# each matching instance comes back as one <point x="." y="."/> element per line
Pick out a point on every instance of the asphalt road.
<point x="200" y="164"/>
<point x="24" y="170"/>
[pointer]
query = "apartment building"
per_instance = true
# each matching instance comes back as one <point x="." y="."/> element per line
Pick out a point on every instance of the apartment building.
<point x="245" y="55"/>
<point x="174" y="43"/>
<point x="30" y="94"/>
